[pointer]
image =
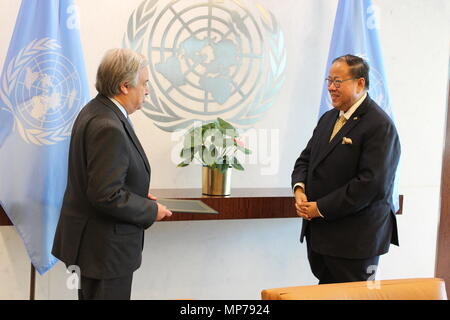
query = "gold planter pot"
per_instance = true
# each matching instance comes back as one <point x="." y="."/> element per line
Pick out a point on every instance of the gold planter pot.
<point x="215" y="183"/>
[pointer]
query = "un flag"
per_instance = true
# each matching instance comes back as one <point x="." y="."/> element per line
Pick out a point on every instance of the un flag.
<point x="43" y="85"/>
<point x="356" y="32"/>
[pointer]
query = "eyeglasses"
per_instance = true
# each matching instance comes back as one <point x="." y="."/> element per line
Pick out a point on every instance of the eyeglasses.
<point x="337" y="83"/>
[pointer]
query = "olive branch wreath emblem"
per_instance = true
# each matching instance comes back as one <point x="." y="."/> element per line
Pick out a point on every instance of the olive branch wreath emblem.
<point x="9" y="81"/>
<point x="264" y="99"/>
<point x="252" y="112"/>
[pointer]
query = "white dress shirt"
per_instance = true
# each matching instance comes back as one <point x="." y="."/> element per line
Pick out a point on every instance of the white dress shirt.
<point x="122" y="109"/>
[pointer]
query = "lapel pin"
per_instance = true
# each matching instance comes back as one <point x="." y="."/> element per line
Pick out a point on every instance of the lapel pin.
<point x="355" y="118"/>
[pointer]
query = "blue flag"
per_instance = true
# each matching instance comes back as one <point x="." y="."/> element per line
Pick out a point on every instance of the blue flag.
<point x="43" y="86"/>
<point x="356" y="32"/>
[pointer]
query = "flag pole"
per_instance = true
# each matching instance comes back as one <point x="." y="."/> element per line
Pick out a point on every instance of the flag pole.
<point x="32" y="282"/>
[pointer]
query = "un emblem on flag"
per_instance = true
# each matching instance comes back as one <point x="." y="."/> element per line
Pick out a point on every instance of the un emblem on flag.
<point x="208" y="59"/>
<point x="41" y="88"/>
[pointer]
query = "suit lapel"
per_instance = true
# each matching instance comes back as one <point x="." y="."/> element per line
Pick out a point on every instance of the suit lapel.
<point x="128" y="128"/>
<point x="324" y="136"/>
<point x="325" y="146"/>
<point x="136" y="143"/>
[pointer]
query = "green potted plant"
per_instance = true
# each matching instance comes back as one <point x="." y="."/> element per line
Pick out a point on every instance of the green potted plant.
<point x="215" y="145"/>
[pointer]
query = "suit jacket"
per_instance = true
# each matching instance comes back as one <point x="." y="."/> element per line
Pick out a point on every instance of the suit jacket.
<point x="105" y="208"/>
<point x="351" y="183"/>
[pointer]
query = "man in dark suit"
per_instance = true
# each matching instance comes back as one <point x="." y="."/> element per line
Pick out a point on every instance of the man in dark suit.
<point x="343" y="180"/>
<point x="106" y="206"/>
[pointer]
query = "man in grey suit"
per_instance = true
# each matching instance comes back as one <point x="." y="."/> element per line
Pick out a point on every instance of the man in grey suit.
<point x="106" y="205"/>
<point x="343" y="180"/>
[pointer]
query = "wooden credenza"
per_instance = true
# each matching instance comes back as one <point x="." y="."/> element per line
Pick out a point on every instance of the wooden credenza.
<point x="243" y="203"/>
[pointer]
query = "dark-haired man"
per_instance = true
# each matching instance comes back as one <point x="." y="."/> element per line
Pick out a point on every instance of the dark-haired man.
<point x="343" y="180"/>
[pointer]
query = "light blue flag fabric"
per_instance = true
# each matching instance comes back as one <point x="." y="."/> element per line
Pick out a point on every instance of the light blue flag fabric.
<point x="43" y="86"/>
<point x="356" y="32"/>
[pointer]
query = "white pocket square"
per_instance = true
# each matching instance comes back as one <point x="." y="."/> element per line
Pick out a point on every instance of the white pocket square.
<point x="346" y="140"/>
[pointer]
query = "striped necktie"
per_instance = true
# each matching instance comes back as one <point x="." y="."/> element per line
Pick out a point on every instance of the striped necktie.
<point x="337" y="126"/>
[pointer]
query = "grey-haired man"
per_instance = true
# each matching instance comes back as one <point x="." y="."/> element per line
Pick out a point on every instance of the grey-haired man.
<point x="106" y="205"/>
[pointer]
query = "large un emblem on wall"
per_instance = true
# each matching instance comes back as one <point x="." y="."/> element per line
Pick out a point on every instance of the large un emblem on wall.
<point x="208" y="59"/>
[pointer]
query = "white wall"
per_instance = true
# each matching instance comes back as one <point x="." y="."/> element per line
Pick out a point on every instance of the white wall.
<point x="219" y="259"/>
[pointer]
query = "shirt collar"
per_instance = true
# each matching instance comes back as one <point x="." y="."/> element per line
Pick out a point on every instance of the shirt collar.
<point x="117" y="103"/>
<point x="353" y="108"/>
